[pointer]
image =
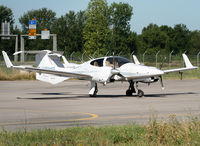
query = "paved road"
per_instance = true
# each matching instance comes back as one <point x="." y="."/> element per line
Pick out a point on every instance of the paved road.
<point x="35" y="104"/>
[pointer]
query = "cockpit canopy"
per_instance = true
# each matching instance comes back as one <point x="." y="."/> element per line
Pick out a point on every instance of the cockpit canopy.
<point x="110" y="61"/>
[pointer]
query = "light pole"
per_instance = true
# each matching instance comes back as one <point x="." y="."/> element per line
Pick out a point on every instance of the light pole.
<point x="170" y="58"/>
<point x="144" y="55"/>
<point x="156" y="57"/>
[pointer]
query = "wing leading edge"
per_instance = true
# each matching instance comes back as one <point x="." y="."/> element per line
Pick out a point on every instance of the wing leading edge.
<point x="46" y="71"/>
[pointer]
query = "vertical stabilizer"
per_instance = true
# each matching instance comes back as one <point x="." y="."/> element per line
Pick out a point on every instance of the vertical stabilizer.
<point x="7" y="60"/>
<point x="136" y="60"/>
<point x="65" y="60"/>
<point x="187" y="61"/>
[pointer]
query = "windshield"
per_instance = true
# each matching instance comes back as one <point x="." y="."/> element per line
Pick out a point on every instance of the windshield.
<point x="118" y="61"/>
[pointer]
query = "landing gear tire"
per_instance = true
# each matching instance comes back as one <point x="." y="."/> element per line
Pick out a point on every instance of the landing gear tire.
<point x="93" y="95"/>
<point x="129" y="93"/>
<point x="140" y="93"/>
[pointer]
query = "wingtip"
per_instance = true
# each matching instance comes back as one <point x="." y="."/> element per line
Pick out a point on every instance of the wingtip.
<point x="187" y="61"/>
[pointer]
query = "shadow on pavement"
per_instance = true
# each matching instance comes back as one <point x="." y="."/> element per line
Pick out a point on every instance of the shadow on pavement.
<point x="79" y="96"/>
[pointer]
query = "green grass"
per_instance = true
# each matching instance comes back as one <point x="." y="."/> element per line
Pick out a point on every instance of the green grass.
<point x="168" y="133"/>
<point x="12" y="74"/>
<point x="190" y="74"/>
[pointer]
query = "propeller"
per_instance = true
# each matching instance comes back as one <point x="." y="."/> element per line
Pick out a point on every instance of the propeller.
<point x="114" y="71"/>
<point x="161" y="82"/>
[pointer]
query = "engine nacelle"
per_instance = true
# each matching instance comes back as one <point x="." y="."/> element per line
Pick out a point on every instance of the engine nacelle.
<point x="150" y="80"/>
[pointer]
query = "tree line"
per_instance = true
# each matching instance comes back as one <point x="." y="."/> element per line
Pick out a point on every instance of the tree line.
<point x="100" y="29"/>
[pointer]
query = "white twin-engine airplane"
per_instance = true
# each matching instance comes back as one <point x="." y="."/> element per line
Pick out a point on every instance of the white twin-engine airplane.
<point x="103" y="70"/>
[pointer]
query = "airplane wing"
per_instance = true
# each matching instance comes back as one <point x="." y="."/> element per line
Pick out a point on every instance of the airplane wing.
<point x="42" y="70"/>
<point x="188" y="65"/>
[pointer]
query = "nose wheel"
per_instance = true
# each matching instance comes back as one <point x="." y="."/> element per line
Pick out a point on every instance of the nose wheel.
<point x="93" y="89"/>
<point x="132" y="90"/>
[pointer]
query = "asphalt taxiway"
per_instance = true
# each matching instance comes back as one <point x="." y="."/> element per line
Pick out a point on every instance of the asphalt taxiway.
<point x="35" y="104"/>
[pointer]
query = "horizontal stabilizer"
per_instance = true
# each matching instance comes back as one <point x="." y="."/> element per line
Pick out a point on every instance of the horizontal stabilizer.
<point x="7" y="60"/>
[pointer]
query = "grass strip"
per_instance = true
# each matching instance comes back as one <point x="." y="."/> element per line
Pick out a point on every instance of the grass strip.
<point x="170" y="132"/>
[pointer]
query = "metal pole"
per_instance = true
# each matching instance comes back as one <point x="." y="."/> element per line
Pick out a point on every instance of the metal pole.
<point x="198" y="59"/>
<point x="170" y="58"/>
<point x="82" y="56"/>
<point x="71" y="56"/>
<point x="54" y="42"/>
<point x="156" y="57"/>
<point x="22" y="49"/>
<point x="16" y="49"/>
<point x="119" y="53"/>
<point x="107" y="53"/>
<point x="94" y="54"/>
<point x="144" y="55"/>
<point x="131" y="55"/>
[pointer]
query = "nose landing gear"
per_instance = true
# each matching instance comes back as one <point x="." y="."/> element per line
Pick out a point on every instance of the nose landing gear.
<point x="132" y="90"/>
<point x="93" y="89"/>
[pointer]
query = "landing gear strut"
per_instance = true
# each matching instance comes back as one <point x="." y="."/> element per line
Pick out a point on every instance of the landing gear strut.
<point x="132" y="90"/>
<point x="93" y="89"/>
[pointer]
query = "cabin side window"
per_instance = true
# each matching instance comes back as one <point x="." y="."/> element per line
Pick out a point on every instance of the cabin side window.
<point x="97" y="62"/>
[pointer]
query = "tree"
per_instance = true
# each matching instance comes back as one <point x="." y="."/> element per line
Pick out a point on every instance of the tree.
<point x="181" y="38"/>
<point x="194" y="42"/>
<point x="45" y="19"/>
<point x="69" y="30"/>
<point x="154" y="40"/>
<point x="96" y="32"/>
<point x="120" y="20"/>
<point x="6" y="14"/>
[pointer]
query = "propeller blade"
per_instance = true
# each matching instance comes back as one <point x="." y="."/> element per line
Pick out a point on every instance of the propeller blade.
<point x="161" y="83"/>
<point x="114" y="66"/>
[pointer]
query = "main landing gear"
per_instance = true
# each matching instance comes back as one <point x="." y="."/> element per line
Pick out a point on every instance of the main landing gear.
<point x="93" y="89"/>
<point x="131" y="89"/>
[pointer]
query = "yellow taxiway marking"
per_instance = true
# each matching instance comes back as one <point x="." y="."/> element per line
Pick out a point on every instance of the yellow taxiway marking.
<point x="92" y="116"/>
<point x="173" y="115"/>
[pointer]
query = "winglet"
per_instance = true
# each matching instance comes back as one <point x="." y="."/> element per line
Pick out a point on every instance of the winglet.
<point x="136" y="60"/>
<point x="7" y="60"/>
<point x="187" y="61"/>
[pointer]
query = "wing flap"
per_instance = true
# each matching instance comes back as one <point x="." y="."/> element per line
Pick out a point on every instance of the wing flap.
<point x="54" y="72"/>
